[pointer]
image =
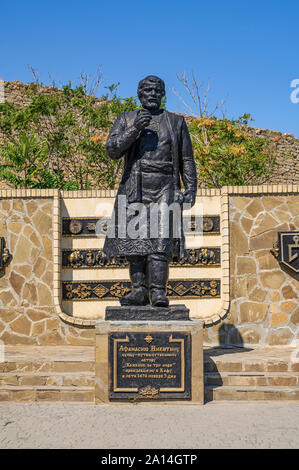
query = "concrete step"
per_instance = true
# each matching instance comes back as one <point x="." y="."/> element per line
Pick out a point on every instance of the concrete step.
<point x="251" y="374"/>
<point x="46" y="393"/>
<point x="249" y="365"/>
<point x="67" y="373"/>
<point x="47" y="386"/>
<point x="47" y="381"/>
<point x="270" y="379"/>
<point x="247" y="393"/>
<point x="47" y="374"/>
<point x="47" y="367"/>
<point x="83" y="379"/>
<point x="284" y="359"/>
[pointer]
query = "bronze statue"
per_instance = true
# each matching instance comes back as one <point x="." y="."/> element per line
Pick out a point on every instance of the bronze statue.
<point x="158" y="152"/>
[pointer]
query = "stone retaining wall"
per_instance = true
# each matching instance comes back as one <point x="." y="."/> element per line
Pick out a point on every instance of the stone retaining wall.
<point x="264" y="306"/>
<point x="286" y="147"/>
<point x="27" y="310"/>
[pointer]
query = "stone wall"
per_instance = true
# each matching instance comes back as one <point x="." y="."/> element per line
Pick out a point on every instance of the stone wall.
<point x="285" y="146"/>
<point x="264" y="307"/>
<point x="286" y="149"/>
<point x="263" y="310"/>
<point x="27" y="311"/>
<point x="14" y="92"/>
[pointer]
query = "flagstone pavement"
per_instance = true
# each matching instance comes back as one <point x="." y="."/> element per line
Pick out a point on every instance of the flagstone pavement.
<point x="218" y="425"/>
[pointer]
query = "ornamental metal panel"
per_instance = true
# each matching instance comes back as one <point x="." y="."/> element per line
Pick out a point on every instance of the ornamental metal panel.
<point x="288" y="245"/>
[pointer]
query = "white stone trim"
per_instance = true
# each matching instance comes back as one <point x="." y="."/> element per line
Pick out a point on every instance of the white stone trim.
<point x="225" y="274"/>
<point x="57" y="266"/>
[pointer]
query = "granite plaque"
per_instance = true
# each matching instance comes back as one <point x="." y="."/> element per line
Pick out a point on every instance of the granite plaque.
<point x="155" y="365"/>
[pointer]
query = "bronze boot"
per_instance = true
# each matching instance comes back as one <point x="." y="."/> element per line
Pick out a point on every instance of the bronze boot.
<point x="158" y="277"/>
<point x="139" y="292"/>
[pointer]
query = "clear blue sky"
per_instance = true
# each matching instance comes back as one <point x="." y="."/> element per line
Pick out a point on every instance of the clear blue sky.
<point x="248" y="49"/>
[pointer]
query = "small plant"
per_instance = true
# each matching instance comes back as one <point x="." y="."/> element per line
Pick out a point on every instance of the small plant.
<point x="226" y="154"/>
<point x="22" y="160"/>
<point x="66" y="130"/>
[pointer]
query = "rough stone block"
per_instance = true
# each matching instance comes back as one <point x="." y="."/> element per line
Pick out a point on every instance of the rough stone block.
<point x="282" y="381"/>
<point x="254" y="366"/>
<point x="8" y="380"/>
<point x="255" y="207"/>
<point x="272" y="279"/>
<point x="5" y="395"/>
<point x="48" y="395"/>
<point x="33" y="380"/>
<point x="228" y="366"/>
<point x="281" y="336"/>
<point x="246" y="265"/>
<point x="252" y="311"/>
<point x="73" y="367"/>
<point x="289" y="293"/>
<point x="78" y="395"/>
<point x="255" y="395"/>
<point x="279" y="319"/>
<point x="277" y="366"/>
<point x="23" y="395"/>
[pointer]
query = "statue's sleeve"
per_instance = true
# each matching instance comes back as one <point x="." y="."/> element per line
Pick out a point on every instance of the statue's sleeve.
<point x="120" y="138"/>
<point x="187" y="163"/>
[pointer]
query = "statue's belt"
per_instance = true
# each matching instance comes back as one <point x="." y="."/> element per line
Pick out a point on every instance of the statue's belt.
<point x="153" y="166"/>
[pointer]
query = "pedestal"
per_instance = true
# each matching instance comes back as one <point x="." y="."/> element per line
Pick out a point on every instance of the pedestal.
<point x="160" y="361"/>
<point x="148" y="313"/>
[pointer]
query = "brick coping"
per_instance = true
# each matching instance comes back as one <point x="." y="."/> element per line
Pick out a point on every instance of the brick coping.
<point x="110" y="193"/>
<point x="223" y="193"/>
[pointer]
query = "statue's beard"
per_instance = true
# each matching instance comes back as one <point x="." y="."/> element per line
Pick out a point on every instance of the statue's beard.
<point x="151" y="105"/>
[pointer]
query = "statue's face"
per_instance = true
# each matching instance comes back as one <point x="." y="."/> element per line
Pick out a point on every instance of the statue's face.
<point x="151" y="96"/>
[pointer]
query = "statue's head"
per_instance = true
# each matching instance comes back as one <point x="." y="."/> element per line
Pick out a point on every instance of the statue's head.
<point x="150" y="92"/>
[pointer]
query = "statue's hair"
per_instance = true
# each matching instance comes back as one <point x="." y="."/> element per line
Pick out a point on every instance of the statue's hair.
<point x="151" y="79"/>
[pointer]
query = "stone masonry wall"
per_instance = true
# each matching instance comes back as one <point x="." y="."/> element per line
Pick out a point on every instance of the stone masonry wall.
<point x="264" y="306"/>
<point x="286" y="147"/>
<point x="27" y="313"/>
<point x="286" y="150"/>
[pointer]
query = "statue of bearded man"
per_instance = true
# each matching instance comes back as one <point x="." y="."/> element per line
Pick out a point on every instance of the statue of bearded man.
<point x="146" y="224"/>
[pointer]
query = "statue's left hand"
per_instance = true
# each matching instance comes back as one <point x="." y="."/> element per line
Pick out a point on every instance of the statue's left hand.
<point x="189" y="197"/>
<point x="179" y="197"/>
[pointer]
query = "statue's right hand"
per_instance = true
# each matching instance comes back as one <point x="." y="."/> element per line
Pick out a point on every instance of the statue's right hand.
<point x="142" y="119"/>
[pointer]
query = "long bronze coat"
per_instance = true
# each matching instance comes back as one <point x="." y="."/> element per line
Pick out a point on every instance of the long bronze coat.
<point x="144" y="171"/>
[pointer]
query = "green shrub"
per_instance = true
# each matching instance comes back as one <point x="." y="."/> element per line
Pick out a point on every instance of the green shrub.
<point x="227" y="155"/>
<point x="58" y="139"/>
